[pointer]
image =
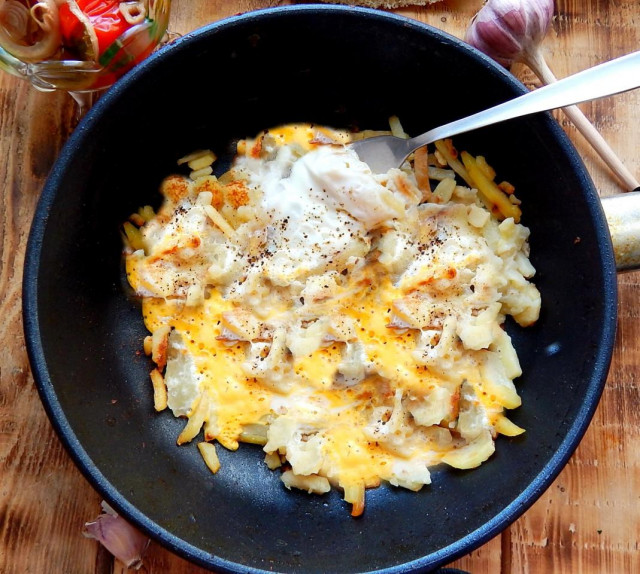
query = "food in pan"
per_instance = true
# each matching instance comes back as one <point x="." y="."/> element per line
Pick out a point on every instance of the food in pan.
<point x="350" y="323"/>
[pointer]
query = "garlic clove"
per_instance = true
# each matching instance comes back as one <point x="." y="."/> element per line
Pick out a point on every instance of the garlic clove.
<point x="118" y="536"/>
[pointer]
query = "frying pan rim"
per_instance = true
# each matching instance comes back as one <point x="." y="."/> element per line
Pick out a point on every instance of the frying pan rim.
<point x="116" y="499"/>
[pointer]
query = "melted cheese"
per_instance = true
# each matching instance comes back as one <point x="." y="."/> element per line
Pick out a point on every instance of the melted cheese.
<point x="357" y="327"/>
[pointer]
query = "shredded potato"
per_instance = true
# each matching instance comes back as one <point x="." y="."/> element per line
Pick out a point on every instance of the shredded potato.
<point x="209" y="455"/>
<point x="421" y="168"/>
<point x="450" y="155"/>
<point x="159" y="390"/>
<point x="489" y="190"/>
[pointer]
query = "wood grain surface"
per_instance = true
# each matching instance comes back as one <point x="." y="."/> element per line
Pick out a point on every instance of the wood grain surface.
<point x="589" y="519"/>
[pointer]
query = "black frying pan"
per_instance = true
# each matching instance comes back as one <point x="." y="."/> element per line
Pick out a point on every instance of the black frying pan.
<point x="343" y="67"/>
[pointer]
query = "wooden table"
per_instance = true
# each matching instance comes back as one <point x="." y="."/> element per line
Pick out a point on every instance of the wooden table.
<point x="589" y="519"/>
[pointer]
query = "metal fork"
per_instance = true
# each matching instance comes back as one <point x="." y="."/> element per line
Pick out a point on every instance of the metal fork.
<point x="382" y="153"/>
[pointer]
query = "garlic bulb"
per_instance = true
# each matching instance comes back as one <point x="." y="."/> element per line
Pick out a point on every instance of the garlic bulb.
<point x="509" y="30"/>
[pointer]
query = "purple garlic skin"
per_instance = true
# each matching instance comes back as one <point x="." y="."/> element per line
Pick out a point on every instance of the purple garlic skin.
<point x="118" y="536"/>
<point x="510" y="30"/>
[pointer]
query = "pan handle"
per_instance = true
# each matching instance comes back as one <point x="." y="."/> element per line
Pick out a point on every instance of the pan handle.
<point x="622" y="212"/>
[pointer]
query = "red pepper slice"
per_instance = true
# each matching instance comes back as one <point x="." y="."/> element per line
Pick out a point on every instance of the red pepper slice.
<point x="105" y="18"/>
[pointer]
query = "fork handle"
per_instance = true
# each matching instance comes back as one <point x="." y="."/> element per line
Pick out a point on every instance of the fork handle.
<point x="612" y="77"/>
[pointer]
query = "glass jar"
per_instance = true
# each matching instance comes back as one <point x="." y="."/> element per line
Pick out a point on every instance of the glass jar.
<point x="87" y="54"/>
